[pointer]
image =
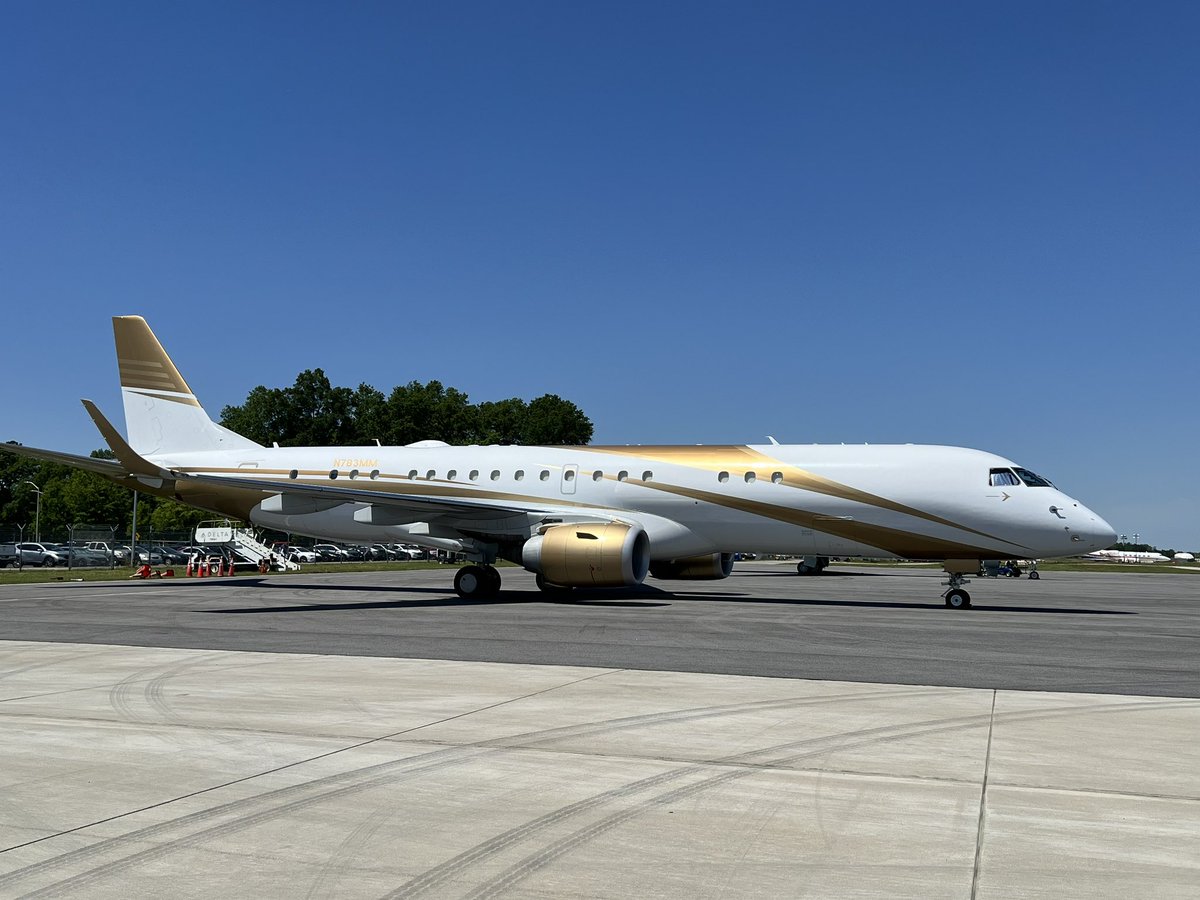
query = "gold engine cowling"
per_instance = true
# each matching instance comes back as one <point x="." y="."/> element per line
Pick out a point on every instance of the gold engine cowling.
<point x="592" y="554"/>
<point x="709" y="567"/>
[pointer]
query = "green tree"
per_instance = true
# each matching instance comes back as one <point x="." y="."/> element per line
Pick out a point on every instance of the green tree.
<point x="312" y="412"/>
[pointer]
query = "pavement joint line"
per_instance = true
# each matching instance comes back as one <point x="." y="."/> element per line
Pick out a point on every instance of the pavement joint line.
<point x="1099" y="792"/>
<point x="300" y="762"/>
<point x="987" y="762"/>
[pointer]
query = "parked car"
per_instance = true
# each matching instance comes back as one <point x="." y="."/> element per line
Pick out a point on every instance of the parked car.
<point x="8" y="555"/>
<point x="33" y="554"/>
<point x="80" y="555"/>
<point x="330" y="553"/>
<point x="103" y="548"/>
<point x="299" y="555"/>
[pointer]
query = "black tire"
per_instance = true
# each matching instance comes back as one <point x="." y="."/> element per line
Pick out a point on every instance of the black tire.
<point x="47" y="563"/>
<point x="958" y="599"/>
<point x="1034" y="575"/>
<point x="805" y="569"/>
<point x="494" y="576"/>
<point x="475" y="582"/>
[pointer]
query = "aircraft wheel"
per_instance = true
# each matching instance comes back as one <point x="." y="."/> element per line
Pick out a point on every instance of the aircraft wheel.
<point x="1034" y="575"/>
<point x="805" y="569"/>
<point x="493" y="578"/>
<point x="958" y="599"/>
<point x="474" y="582"/>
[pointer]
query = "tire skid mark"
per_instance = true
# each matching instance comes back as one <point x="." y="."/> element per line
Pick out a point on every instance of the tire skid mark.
<point x="535" y="738"/>
<point x="284" y="800"/>
<point x="339" y="860"/>
<point x="747" y="764"/>
<point x="232" y="806"/>
<point x="382" y="773"/>
<point x="47" y="663"/>
<point x="152" y="692"/>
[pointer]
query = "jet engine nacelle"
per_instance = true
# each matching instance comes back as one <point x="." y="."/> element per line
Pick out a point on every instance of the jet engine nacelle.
<point x="708" y="567"/>
<point x="589" y="554"/>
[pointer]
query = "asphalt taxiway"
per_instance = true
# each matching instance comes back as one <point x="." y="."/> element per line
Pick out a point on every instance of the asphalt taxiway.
<point x="374" y="736"/>
<point x="1086" y="632"/>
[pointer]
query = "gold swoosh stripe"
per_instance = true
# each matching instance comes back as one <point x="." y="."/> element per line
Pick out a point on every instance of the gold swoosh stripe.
<point x="739" y="460"/>
<point x="186" y="401"/>
<point x="902" y="543"/>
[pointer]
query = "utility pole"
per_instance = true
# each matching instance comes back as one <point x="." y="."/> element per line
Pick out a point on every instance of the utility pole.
<point x="133" y="551"/>
<point x="37" y="516"/>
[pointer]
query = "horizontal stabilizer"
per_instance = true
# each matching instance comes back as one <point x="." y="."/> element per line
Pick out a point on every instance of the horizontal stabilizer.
<point x="107" y="467"/>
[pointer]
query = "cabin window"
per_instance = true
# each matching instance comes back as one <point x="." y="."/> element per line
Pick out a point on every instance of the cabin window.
<point x="412" y="473"/>
<point x="569" y="475"/>
<point x="750" y="478"/>
<point x="294" y="474"/>
<point x="353" y="474"/>
<point x="776" y="478"/>
<point x="431" y="475"/>
<point x="647" y="475"/>
<point x="544" y="475"/>
<point x="723" y="477"/>
<point x="1003" y="478"/>
<point x="332" y="474"/>
<point x="452" y="474"/>
<point x="597" y="475"/>
<point x="495" y="474"/>
<point x="374" y="474"/>
<point x="519" y="475"/>
<point x="474" y="476"/>
<point x="622" y="475"/>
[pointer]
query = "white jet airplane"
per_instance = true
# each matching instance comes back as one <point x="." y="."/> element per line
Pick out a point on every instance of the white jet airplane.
<point x="589" y="516"/>
<point x="1128" y="556"/>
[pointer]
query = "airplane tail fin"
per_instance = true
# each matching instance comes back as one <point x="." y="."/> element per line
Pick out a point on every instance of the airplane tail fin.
<point x="162" y="415"/>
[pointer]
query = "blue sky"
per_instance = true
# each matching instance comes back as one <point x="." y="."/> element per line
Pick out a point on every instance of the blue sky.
<point x="972" y="224"/>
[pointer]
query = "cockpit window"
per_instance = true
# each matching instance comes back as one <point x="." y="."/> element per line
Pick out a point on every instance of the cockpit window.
<point x="1033" y="480"/>
<point x="1003" y="478"/>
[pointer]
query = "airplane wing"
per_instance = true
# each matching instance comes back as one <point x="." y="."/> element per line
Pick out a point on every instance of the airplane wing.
<point x="402" y="507"/>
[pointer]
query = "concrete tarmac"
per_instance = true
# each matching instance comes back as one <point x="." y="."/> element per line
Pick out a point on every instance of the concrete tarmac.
<point x="162" y="753"/>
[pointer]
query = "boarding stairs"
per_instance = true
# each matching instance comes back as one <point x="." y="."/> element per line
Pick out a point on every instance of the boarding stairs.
<point x="247" y="546"/>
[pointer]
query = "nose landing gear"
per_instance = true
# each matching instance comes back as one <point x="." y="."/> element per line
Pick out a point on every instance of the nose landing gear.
<point x="957" y="571"/>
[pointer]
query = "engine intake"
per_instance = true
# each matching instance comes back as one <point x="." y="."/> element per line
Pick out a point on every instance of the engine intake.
<point x="709" y="567"/>
<point x="591" y="554"/>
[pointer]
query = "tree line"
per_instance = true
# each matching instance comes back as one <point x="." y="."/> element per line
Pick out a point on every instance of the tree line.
<point x="311" y="412"/>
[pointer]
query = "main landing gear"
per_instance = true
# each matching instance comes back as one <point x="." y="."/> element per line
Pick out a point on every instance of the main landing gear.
<point x="812" y="565"/>
<point x="476" y="582"/>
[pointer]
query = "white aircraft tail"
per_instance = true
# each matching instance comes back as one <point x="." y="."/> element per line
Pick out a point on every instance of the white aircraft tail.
<point x="162" y="415"/>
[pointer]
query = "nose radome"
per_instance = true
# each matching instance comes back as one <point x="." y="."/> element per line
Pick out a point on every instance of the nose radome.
<point x="1096" y="533"/>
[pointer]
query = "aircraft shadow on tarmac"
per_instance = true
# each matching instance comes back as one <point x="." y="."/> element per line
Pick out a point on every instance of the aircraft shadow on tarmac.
<point x="890" y="604"/>
<point x="642" y="597"/>
<point x="440" y="599"/>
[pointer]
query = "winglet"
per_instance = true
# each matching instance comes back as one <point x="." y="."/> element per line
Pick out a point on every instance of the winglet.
<point x="125" y="454"/>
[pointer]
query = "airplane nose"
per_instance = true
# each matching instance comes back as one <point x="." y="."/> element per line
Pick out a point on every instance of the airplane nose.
<point x="1097" y="533"/>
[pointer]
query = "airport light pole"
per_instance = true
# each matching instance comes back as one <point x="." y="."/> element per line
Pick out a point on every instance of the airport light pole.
<point x="37" y="516"/>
